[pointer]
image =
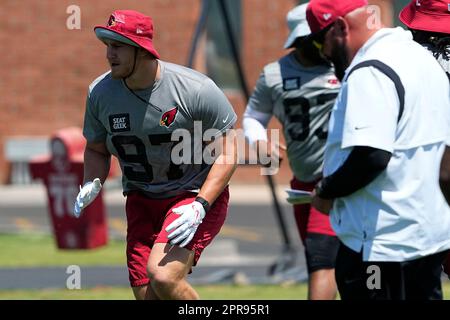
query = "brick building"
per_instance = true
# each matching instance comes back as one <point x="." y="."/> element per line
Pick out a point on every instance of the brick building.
<point x="47" y="66"/>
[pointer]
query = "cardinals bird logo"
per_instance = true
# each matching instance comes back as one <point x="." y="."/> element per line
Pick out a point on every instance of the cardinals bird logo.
<point x="115" y="18"/>
<point x="168" y="117"/>
<point x="112" y="21"/>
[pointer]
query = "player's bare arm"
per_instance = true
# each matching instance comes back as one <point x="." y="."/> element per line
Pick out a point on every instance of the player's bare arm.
<point x="222" y="169"/>
<point x="182" y="230"/>
<point x="97" y="161"/>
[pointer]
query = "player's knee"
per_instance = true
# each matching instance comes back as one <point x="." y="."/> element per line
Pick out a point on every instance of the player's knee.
<point x="153" y="268"/>
<point x="160" y="277"/>
<point x="152" y="271"/>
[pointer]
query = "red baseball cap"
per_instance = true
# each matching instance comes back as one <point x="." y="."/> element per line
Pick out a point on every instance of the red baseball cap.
<point x="321" y="13"/>
<point x="427" y="15"/>
<point x="130" y="27"/>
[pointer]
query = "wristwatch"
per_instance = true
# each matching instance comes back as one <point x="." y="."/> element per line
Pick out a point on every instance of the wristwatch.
<point x="203" y="202"/>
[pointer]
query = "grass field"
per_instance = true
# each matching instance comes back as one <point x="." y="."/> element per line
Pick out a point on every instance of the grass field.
<point x="38" y="250"/>
<point x="213" y="292"/>
<point x="34" y="250"/>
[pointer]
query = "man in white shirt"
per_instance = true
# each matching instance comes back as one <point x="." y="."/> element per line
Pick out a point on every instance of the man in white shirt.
<point x="386" y="137"/>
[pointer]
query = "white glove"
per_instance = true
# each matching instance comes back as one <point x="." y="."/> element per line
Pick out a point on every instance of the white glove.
<point x="191" y="215"/>
<point x="87" y="194"/>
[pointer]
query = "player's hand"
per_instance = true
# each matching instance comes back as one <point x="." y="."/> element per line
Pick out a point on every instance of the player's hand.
<point x="269" y="153"/>
<point x="191" y="215"/>
<point x="321" y="204"/>
<point x="87" y="194"/>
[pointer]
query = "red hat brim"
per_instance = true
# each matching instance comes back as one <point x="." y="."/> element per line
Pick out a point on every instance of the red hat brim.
<point x="143" y="42"/>
<point x="419" y="20"/>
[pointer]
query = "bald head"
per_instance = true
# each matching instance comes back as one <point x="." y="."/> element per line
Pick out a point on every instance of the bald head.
<point x="347" y="34"/>
<point x="362" y="24"/>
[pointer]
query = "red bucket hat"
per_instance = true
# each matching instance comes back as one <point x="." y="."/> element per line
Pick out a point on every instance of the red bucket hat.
<point x="427" y="15"/>
<point x="321" y="13"/>
<point x="130" y="27"/>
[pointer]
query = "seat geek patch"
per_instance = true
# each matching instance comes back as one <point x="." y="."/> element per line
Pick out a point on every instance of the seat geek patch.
<point x="119" y="122"/>
<point x="291" y="84"/>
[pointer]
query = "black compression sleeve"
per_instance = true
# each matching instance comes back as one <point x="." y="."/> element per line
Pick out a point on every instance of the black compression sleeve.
<point x="362" y="166"/>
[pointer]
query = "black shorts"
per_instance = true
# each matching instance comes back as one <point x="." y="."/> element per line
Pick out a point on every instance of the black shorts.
<point x="418" y="279"/>
<point x="321" y="251"/>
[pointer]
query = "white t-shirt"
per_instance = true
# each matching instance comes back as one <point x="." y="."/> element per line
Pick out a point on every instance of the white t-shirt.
<point x="402" y="214"/>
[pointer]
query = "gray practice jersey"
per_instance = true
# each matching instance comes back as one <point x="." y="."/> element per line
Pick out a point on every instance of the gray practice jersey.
<point x="301" y="98"/>
<point x="140" y="134"/>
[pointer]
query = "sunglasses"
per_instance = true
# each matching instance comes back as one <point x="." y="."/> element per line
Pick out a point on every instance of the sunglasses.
<point x="319" y="38"/>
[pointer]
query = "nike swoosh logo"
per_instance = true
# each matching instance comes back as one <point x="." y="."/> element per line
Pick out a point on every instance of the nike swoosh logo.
<point x="225" y="119"/>
<point x="360" y="128"/>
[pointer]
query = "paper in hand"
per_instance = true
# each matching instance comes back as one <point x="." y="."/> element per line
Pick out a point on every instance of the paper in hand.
<point x="298" y="196"/>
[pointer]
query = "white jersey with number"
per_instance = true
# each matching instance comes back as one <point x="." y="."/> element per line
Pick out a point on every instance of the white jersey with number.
<point x="301" y="99"/>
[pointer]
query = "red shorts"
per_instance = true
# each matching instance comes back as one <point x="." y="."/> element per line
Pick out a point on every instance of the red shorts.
<point x="147" y="219"/>
<point x="309" y="219"/>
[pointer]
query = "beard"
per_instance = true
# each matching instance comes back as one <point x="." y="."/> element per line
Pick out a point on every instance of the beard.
<point x="121" y="71"/>
<point x="339" y="58"/>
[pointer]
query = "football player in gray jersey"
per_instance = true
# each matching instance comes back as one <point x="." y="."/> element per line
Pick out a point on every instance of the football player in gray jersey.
<point x="151" y="115"/>
<point x="299" y="90"/>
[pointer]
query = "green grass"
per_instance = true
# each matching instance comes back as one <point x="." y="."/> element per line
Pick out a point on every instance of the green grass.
<point x="100" y="293"/>
<point x="36" y="250"/>
<point x="213" y="292"/>
<point x="253" y="292"/>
